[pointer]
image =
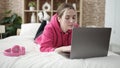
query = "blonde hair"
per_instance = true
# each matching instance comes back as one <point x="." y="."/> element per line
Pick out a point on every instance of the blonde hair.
<point x="62" y="7"/>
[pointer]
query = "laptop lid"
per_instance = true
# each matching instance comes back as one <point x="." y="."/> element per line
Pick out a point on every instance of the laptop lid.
<point x="90" y="42"/>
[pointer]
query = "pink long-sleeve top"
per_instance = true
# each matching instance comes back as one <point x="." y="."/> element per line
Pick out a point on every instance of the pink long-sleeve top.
<point x="53" y="37"/>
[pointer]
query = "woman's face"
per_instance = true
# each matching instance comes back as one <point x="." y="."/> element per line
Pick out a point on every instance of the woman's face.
<point x="67" y="20"/>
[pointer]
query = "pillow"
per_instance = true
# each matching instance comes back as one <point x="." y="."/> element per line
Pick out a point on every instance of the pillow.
<point x="29" y="29"/>
<point x="40" y="29"/>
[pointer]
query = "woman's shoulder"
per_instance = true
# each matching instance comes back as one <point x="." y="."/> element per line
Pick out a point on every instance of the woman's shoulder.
<point x="49" y="27"/>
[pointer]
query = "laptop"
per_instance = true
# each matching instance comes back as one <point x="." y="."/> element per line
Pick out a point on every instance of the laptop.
<point x="89" y="42"/>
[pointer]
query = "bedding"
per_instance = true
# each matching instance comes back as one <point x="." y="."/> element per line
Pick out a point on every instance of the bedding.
<point x="29" y="29"/>
<point x="36" y="59"/>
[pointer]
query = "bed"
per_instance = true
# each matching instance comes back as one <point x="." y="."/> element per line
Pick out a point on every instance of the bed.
<point x="36" y="59"/>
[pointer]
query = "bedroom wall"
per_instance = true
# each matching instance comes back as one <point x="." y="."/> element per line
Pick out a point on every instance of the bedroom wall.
<point x="93" y="12"/>
<point x="2" y="7"/>
<point x="15" y="5"/>
<point x="112" y="19"/>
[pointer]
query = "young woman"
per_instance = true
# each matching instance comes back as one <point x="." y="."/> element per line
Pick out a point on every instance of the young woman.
<point x="57" y="33"/>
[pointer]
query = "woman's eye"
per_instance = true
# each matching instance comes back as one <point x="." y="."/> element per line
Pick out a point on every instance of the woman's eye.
<point x="74" y="17"/>
<point x="66" y="18"/>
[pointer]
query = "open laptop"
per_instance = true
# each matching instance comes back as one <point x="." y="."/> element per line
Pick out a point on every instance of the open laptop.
<point x="90" y="42"/>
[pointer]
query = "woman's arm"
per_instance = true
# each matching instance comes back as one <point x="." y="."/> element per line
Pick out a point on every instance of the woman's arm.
<point x="63" y="49"/>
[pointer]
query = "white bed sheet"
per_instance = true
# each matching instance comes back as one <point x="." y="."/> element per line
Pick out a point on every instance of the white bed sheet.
<point x="36" y="59"/>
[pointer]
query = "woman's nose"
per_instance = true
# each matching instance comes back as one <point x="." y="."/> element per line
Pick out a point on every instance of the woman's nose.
<point x="71" y="20"/>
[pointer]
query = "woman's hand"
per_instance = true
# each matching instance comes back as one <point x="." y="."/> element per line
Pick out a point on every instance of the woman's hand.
<point x="63" y="49"/>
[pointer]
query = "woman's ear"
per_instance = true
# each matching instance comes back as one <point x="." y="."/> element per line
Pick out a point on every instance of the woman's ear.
<point x="58" y="19"/>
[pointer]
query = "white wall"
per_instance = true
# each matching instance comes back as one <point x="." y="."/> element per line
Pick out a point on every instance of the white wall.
<point x="112" y="19"/>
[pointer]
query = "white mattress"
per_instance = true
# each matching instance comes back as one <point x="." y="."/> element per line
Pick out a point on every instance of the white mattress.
<point x="35" y="59"/>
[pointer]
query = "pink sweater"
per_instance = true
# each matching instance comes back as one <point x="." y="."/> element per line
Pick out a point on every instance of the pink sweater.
<point x="53" y="37"/>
